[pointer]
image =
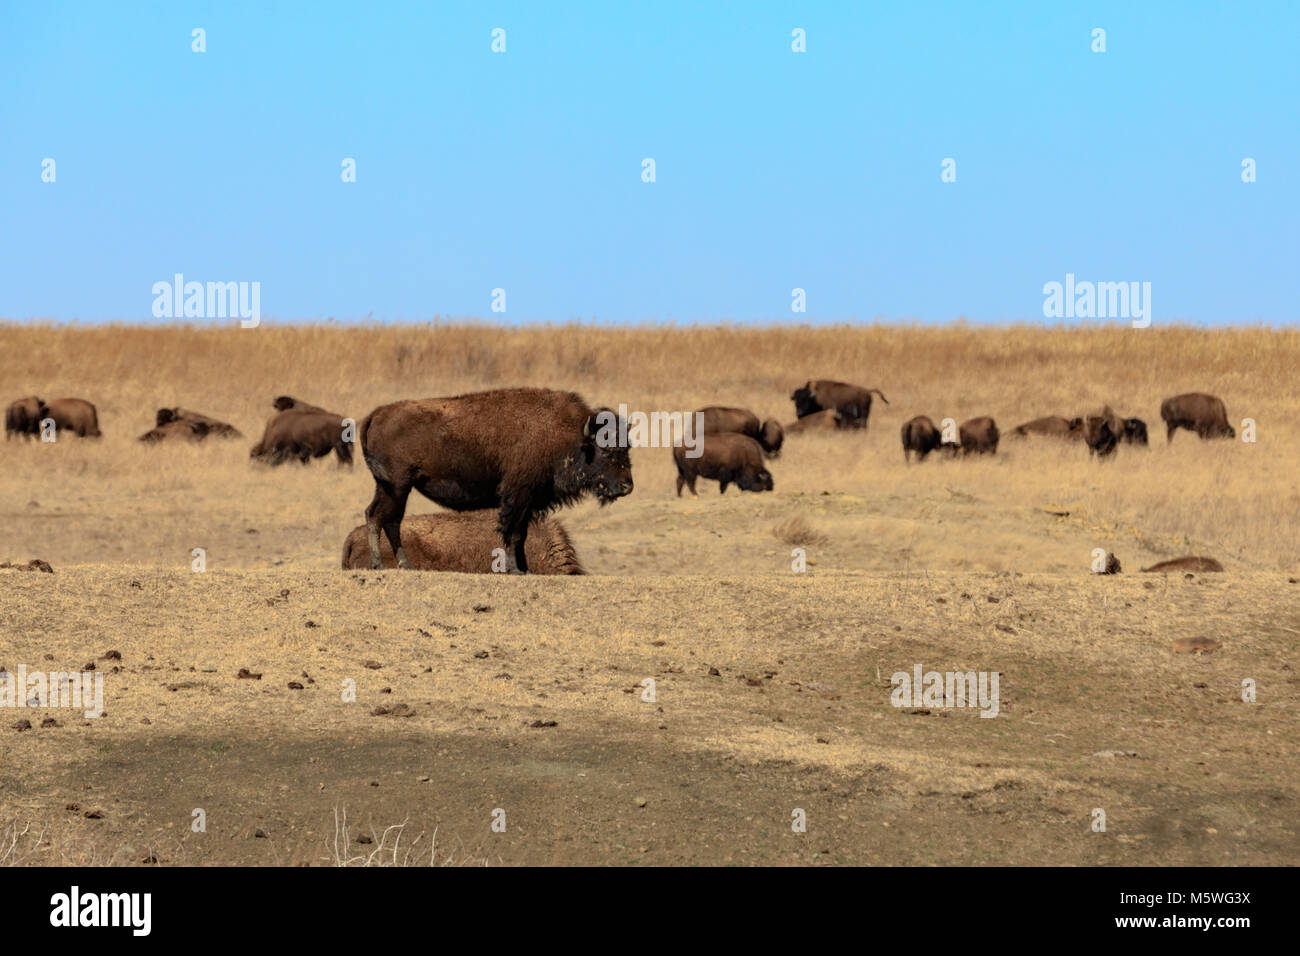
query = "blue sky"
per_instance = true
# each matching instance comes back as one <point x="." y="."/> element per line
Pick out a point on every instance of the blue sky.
<point x="774" y="169"/>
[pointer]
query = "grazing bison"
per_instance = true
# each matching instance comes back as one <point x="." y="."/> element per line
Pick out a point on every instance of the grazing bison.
<point x="979" y="436"/>
<point x="852" y="401"/>
<point x="304" y="436"/>
<point x="1135" y="431"/>
<point x="1186" y="564"/>
<point x="920" y="436"/>
<point x="769" y="434"/>
<point x="1197" y="412"/>
<point x="828" y="420"/>
<point x="74" y="415"/>
<point x="464" y="542"/>
<point x="726" y="457"/>
<point x="525" y="451"/>
<point x="23" y="417"/>
<point x="176" y="430"/>
<point x="215" y="427"/>
<point x="1052" y="426"/>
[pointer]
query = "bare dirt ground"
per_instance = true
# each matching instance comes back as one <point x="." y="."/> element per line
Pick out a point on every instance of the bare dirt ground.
<point x="771" y="687"/>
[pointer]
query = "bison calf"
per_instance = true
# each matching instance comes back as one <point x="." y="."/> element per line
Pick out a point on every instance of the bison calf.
<point x="525" y="451"/>
<point x="920" y="436"/>
<point x="1197" y="412"/>
<point x="726" y="458"/>
<point x="466" y="542"/>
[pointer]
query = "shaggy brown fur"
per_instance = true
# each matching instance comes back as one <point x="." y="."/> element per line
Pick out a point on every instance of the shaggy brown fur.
<point x="304" y="436"/>
<point x="853" y="402"/>
<point x="979" y="436"/>
<point x="178" y="430"/>
<point x="284" y="403"/>
<point x="828" y="420"/>
<point x="726" y="457"/>
<point x="1052" y="426"/>
<point x="23" y="417"/>
<point x="920" y="436"/>
<point x="769" y="434"/>
<point x="215" y="427"/>
<point x="526" y="451"/>
<point x="1197" y="412"/>
<point x="464" y="541"/>
<point x="75" y="415"/>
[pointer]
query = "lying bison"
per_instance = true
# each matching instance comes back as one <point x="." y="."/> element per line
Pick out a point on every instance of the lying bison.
<point x="726" y="457"/>
<point x="525" y="451"/>
<point x="1052" y="426"/>
<point x="465" y="542"/>
<point x="284" y="403"/>
<point x="828" y="420"/>
<point x="176" y="430"/>
<point x="769" y="434"/>
<point x="1186" y="564"/>
<point x="23" y="417"/>
<point x="852" y="401"/>
<point x="75" y="415"/>
<point x="1197" y="412"/>
<point x="212" y="426"/>
<point x="979" y="436"/>
<point x="920" y="436"/>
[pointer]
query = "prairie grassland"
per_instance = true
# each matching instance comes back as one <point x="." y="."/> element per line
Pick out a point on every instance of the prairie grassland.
<point x="773" y="687"/>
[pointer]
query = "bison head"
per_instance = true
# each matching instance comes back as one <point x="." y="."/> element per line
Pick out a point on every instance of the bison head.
<point x="164" y="416"/>
<point x="772" y="437"/>
<point x="604" y="467"/>
<point x="1135" y="431"/>
<point x="805" y="401"/>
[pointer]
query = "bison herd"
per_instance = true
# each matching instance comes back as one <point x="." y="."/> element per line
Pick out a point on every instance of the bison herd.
<point x="503" y="460"/>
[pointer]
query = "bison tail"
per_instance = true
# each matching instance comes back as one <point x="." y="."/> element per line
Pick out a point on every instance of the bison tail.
<point x="880" y="393"/>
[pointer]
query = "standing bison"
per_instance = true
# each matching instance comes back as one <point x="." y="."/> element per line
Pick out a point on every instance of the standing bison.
<point x="1135" y="431"/>
<point x="851" y="401"/>
<point x="1197" y="412"/>
<point x="769" y="434"/>
<point x="465" y="542"/>
<point x="979" y="436"/>
<point x="23" y="417"/>
<point x="74" y="415"/>
<point x="525" y="451"/>
<point x="726" y="457"/>
<point x="303" y="432"/>
<point x="920" y="436"/>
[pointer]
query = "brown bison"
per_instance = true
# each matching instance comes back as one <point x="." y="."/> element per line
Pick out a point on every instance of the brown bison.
<point x="23" y="417"/>
<point x="1099" y="436"/>
<point x="852" y="401"/>
<point x="828" y="420"/>
<point x="1052" y="426"/>
<point x="465" y="542"/>
<point x="726" y="457"/>
<point x="176" y="430"/>
<point x="979" y="436"/>
<point x="74" y="415"/>
<point x="1186" y="564"/>
<point x="920" y="436"/>
<point x="304" y="436"/>
<point x="769" y="434"/>
<point x="284" y="403"/>
<point x="525" y="451"/>
<point x="1197" y="412"/>
<point x="1135" y="431"/>
<point x="214" y="427"/>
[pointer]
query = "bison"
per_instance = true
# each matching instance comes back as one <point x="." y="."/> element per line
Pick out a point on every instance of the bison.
<point x="1052" y="426"/>
<point x="74" y="415"/>
<point x="852" y="401"/>
<point x="304" y="436"/>
<point x="176" y="430"/>
<point x="769" y="434"/>
<point x="1135" y="431"/>
<point x="23" y="417"/>
<point x="1197" y="412"/>
<point x="465" y="542"/>
<point x="979" y="436"/>
<point x="284" y="403"/>
<point x="1192" y="563"/>
<point x="525" y="451"/>
<point x="214" y="427"/>
<point x="817" y="421"/>
<point x="920" y="436"/>
<point x="1099" y="436"/>
<point x="725" y="457"/>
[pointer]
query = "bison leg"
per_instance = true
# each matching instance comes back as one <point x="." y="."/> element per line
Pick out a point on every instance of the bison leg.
<point x="1169" y="436"/>
<point x="722" y="486"/>
<point x="344" y="452"/>
<point x="386" y="510"/>
<point x="680" y="481"/>
<point x="515" y="518"/>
